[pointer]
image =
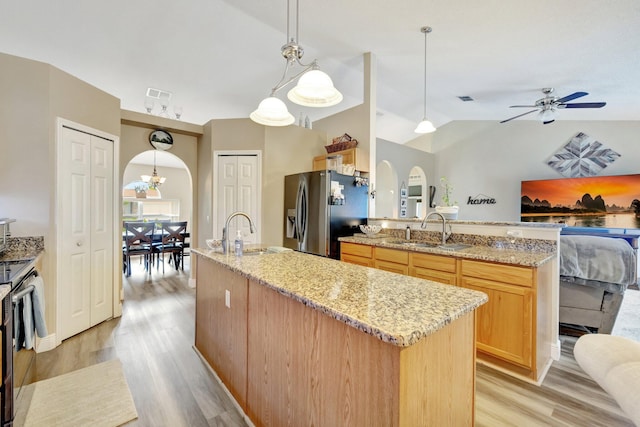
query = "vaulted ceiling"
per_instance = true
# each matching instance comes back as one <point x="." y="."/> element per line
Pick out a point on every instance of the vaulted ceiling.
<point x="219" y="58"/>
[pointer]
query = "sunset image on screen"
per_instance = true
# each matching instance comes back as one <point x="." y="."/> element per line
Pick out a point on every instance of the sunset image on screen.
<point x="599" y="201"/>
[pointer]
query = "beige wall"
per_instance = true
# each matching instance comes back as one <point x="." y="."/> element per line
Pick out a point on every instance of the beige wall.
<point x="489" y="158"/>
<point x="34" y="95"/>
<point x="284" y="151"/>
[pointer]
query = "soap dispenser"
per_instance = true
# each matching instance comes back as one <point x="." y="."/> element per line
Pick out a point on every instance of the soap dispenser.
<point x="238" y="244"/>
<point x="407" y="233"/>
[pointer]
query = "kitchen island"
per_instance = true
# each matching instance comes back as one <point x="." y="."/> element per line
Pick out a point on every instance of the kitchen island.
<point x="299" y="339"/>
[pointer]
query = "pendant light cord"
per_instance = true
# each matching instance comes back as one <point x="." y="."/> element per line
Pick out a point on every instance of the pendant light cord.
<point x="297" y="39"/>
<point x="425" y="30"/>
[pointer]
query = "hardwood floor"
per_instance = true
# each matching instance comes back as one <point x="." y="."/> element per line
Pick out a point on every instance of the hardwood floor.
<point x="154" y="339"/>
<point x="172" y="387"/>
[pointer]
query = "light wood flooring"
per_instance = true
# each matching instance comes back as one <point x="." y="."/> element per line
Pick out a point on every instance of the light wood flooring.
<point x="172" y="387"/>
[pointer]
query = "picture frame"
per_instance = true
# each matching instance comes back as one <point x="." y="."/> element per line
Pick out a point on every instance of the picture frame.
<point x="161" y="139"/>
<point x="403" y="192"/>
<point x="403" y="203"/>
<point x="403" y="213"/>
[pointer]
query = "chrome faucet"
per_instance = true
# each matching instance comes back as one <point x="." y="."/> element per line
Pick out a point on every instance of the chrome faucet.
<point x="445" y="234"/>
<point x="225" y="237"/>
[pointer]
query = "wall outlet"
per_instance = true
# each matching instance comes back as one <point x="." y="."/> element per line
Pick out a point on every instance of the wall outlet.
<point x="227" y="298"/>
<point x="514" y="233"/>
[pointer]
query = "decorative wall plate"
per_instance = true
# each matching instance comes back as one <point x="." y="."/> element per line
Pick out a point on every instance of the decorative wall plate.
<point x="161" y="139"/>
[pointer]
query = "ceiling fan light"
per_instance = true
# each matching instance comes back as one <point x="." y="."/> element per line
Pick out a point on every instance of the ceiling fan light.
<point x="547" y="116"/>
<point x="425" y="126"/>
<point x="272" y="112"/>
<point x="315" y="89"/>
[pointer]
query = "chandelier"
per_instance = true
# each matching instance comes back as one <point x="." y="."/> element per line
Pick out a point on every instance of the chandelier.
<point x="314" y="89"/>
<point x="153" y="180"/>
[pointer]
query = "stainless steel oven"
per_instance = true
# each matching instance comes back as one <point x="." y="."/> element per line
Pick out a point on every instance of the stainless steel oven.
<point x="15" y="364"/>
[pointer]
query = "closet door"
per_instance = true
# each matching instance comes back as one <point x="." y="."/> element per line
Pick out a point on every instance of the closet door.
<point x="85" y="258"/>
<point x="238" y="191"/>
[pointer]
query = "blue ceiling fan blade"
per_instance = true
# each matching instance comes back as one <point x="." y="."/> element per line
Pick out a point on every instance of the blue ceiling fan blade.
<point x="583" y="105"/>
<point x="573" y="96"/>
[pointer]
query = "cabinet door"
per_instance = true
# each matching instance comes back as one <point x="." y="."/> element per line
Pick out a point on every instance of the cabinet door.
<point x="504" y="326"/>
<point x="221" y="328"/>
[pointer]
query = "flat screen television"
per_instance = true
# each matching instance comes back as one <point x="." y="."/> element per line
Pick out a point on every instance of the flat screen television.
<point x="596" y="201"/>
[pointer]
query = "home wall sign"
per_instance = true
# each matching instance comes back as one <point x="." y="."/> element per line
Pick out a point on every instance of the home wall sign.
<point x="582" y="156"/>
<point x="481" y="199"/>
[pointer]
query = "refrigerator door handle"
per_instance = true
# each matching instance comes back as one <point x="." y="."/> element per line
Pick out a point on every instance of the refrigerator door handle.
<point x="301" y="214"/>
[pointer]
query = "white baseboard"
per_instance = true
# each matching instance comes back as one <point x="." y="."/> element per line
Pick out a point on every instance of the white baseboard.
<point x="556" y="350"/>
<point x="45" y="344"/>
<point x="192" y="282"/>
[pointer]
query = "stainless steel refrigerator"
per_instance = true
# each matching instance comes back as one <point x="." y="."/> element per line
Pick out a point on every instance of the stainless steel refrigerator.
<point x="321" y="206"/>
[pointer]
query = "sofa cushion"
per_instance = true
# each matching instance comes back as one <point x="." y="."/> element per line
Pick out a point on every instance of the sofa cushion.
<point x="622" y="383"/>
<point x="614" y="363"/>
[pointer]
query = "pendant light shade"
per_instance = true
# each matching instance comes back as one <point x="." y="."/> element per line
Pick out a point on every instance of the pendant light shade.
<point x="425" y="126"/>
<point x="272" y="112"/>
<point x="315" y="89"/>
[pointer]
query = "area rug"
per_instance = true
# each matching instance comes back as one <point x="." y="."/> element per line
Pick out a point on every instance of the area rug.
<point x="94" y="396"/>
<point x="628" y="320"/>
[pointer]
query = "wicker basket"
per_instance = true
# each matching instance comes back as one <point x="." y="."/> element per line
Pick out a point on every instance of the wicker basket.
<point x="340" y="146"/>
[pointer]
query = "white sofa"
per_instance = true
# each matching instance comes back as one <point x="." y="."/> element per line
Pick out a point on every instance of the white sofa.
<point x="614" y="363"/>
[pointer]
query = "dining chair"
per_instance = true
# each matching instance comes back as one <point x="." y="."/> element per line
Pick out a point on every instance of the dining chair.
<point x="172" y="235"/>
<point x="138" y="240"/>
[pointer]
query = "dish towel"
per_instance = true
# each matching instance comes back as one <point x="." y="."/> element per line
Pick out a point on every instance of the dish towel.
<point x="27" y="321"/>
<point x="37" y="297"/>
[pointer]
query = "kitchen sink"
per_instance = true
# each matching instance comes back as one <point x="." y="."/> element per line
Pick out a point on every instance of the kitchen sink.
<point x="453" y="246"/>
<point x="258" y="251"/>
<point x="419" y="244"/>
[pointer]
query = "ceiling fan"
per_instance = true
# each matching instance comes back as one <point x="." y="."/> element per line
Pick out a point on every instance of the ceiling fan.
<point x="548" y="105"/>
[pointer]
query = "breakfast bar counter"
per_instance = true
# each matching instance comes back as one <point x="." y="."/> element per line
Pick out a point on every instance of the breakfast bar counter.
<point x="299" y="339"/>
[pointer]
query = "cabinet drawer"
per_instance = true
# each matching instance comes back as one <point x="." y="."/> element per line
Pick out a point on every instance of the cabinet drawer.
<point x="358" y="260"/>
<point x="433" y="262"/>
<point x="392" y="267"/>
<point x="392" y="255"/>
<point x="511" y="274"/>
<point x="358" y="250"/>
<point x="435" y="275"/>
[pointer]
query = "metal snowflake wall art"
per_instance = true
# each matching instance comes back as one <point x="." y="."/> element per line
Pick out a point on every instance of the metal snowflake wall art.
<point x="582" y="156"/>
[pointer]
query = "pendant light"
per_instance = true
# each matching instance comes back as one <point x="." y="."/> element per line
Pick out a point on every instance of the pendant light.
<point x="153" y="181"/>
<point x="314" y="89"/>
<point x="425" y="126"/>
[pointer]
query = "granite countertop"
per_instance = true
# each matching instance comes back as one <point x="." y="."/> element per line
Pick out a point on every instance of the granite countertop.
<point x="531" y="258"/>
<point x="397" y="309"/>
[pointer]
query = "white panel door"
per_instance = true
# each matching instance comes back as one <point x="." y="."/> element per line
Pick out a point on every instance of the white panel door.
<point x="74" y="267"/>
<point x="101" y="230"/>
<point x="85" y="262"/>
<point x="237" y="190"/>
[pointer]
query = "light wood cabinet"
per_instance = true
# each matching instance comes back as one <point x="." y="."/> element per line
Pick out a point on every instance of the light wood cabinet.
<point x="356" y="254"/>
<point x="433" y="267"/>
<point x="511" y="330"/>
<point x="393" y="260"/>
<point x="506" y="325"/>
<point x="221" y="329"/>
<point x="351" y="156"/>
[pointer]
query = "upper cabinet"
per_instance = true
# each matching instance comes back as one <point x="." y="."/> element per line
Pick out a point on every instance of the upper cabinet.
<point x="352" y="156"/>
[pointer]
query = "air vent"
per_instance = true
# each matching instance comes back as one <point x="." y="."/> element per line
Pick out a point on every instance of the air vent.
<point x="465" y="98"/>
<point x="158" y="94"/>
